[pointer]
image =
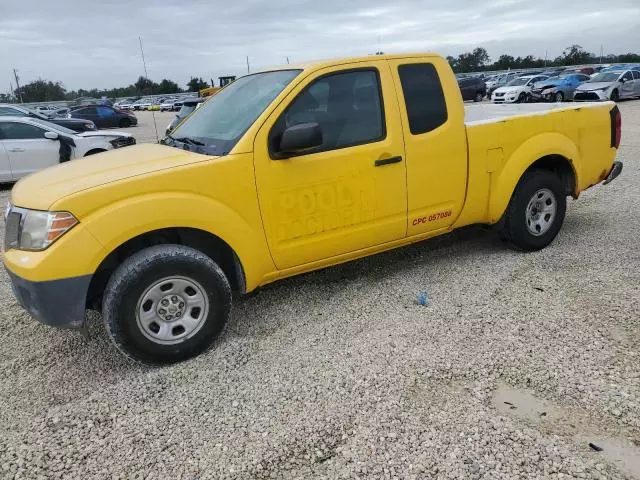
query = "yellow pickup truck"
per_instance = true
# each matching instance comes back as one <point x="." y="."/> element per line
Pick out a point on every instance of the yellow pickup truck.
<point x="286" y="171"/>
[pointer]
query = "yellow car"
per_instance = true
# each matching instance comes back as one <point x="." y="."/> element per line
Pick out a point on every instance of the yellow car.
<point x="283" y="172"/>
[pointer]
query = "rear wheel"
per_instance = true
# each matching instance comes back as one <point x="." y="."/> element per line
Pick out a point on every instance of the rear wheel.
<point x="558" y="97"/>
<point x="615" y="96"/>
<point x="479" y="96"/>
<point x="536" y="211"/>
<point x="124" y="123"/>
<point x="165" y="304"/>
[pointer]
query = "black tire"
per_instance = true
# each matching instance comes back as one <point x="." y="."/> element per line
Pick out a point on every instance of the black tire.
<point x="558" y="97"/>
<point x="522" y="98"/>
<point x="479" y="96"/>
<point x="134" y="277"/>
<point x="515" y="227"/>
<point x="615" y="95"/>
<point x="124" y="123"/>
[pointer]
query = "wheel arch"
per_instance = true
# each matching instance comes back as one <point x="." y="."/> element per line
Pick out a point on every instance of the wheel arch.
<point x="206" y="242"/>
<point x="93" y="151"/>
<point x="550" y="151"/>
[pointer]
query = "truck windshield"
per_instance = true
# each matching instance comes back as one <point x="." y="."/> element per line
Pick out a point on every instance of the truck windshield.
<point x="218" y="124"/>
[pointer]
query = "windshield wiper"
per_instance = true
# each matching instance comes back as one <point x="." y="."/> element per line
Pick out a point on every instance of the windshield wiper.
<point x="188" y="140"/>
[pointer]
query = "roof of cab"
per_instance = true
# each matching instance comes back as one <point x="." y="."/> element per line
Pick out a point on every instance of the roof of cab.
<point x="319" y="64"/>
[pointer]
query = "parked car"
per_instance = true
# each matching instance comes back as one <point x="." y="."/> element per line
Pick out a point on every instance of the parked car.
<point x="610" y="85"/>
<point x="30" y="144"/>
<point x="59" y="113"/>
<point x="105" y="117"/>
<point x="126" y="104"/>
<point x="557" y="89"/>
<point x="167" y="104"/>
<point x="142" y="104"/>
<point x="517" y="90"/>
<point x="187" y="106"/>
<point x="72" y="123"/>
<point x="500" y="81"/>
<point x="472" y="88"/>
<point x="284" y="172"/>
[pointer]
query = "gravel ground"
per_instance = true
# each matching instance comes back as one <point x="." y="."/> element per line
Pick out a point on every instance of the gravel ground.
<point x="518" y="363"/>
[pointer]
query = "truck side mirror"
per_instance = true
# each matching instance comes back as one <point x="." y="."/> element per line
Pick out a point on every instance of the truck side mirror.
<point x="299" y="139"/>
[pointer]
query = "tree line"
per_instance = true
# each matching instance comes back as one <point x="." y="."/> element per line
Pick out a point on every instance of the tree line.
<point x="478" y="60"/>
<point x="475" y="61"/>
<point x="47" y="91"/>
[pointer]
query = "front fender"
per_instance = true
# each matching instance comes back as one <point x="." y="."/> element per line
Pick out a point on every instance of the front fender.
<point x="125" y="219"/>
<point x="504" y="184"/>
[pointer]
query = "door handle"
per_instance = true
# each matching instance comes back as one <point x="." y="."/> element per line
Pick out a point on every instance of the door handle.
<point x="16" y="149"/>
<point x="387" y="161"/>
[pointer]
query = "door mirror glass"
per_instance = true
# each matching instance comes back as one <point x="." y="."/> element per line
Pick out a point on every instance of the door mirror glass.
<point x="51" y="135"/>
<point x="300" y="138"/>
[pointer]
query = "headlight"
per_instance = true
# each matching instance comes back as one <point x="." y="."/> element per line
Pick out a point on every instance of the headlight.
<point x="90" y="126"/>
<point x="36" y="230"/>
<point x="122" y="142"/>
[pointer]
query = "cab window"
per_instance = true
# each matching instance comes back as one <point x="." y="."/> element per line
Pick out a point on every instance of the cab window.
<point x="423" y="97"/>
<point x="347" y="106"/>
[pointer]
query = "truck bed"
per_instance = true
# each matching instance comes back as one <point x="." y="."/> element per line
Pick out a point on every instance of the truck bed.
<point x="490" y="112"/>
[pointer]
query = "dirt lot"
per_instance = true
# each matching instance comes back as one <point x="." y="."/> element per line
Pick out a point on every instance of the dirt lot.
<point x="517" y="364"/>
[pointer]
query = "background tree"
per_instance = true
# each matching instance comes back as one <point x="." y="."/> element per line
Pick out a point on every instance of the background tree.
<point x="145" y="86"/>
<point x="168" y="86"/>
<point x="574" y="55"/>
<point x="196" y="84"/>
<point x="41" y="91"/>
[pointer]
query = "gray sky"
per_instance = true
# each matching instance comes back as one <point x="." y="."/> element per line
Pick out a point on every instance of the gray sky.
<point x="84" y="44"/>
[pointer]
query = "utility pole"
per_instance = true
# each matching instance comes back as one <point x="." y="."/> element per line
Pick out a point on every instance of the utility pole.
<point x="287" y="60"/>
<point x="248" y="69"/>
<point x="545" y="57"/>
<point x="601" y="52"/>
<point x="15" y="74"/>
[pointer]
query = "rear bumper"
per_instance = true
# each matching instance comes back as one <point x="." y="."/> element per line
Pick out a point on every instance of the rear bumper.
<point x="58" y="303"/>
<point x="614" y="173"/>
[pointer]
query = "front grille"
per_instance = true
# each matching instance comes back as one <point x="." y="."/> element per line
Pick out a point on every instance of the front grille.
<point x="12" y="230"/>
<point x="586" y="96"/>
<point x="499" y="94"/>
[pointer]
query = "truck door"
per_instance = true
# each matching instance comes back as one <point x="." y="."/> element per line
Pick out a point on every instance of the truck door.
<point x="350" y="192"/>
<point x="435" y="142"/>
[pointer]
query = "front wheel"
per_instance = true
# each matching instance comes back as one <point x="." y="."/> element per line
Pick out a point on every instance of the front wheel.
<point x="165" y="304"/>
<point x="558" y="97"/>
<point x="536" y="211"/>
<point x="522" y="98"/>
<point x="124" y="123"/>
<point x="479" y="96"/>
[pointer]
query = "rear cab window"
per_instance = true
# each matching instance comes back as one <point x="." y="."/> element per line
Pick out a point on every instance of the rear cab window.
<point x="423" y="97"/>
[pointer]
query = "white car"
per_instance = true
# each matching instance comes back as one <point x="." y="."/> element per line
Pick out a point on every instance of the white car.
<point x="31" y="144"/>
<point x="143" y="104"/>
<point x="517" y="90"/>
<point x="609" y="85"/>
<point x="167" y="105"/>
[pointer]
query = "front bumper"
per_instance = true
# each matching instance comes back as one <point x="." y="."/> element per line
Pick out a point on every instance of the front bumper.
<point x="58" y="303"/>
<point x="505" y="99"/>
<point x="590" y="95"/>
<point x="616" y="170"/>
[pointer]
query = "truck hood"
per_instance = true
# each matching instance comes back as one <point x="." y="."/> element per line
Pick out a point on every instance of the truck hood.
<point x="40" y="190"/>
<point x="594" y="86"/>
